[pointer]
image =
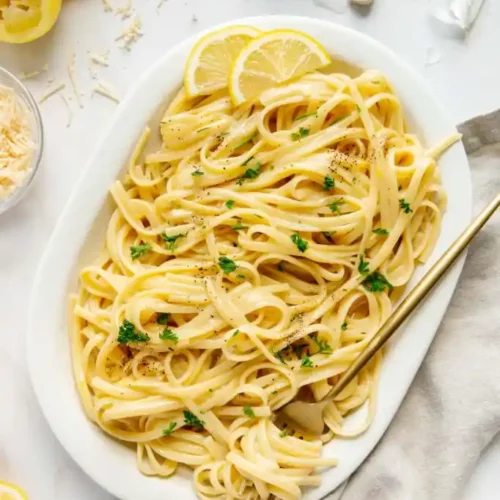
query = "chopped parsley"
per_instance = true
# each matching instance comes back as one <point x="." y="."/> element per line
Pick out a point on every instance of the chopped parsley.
<point x="237" y="227"/>
<point x="137" y="251"/>
<point x="127" y="334"/>
<point x="197" y="173"/>
<point x="168" y="334"/>
<point x="306" y="362"/>
<point x="344" y="326"/>
<point x="248" y="411"/>
<point x="171" y="427"/>
<point x="279" y="355"/>
<point x="405" y="206"/>
<point x="235" y="333"/>
<point x="229" y="204"/>
<point x="172" y="239"/>
<point x="303" y="132"/>
<point x="241" y="276"/>
<point x="305" y="115"/>
<point x="247" y="161"/>
<point x="329" y="234"/>
<point x="377" y="282"/>
<point x="250" y="173"/>
<point x="380" y="231"/>
<point x="281" y="267"/>
<point x="334" y="207"/>
<point x="227" y="265"/>
<point x="324" y="348"/>
<point x="363" y="267"/>
<point x="246" y="141"/>
<point x="162" y="318"/>
<point x="299" y="242"/>
<point x="192" y="420"/>
<point x="283" y="433"/>
<point x="328" y="183"/>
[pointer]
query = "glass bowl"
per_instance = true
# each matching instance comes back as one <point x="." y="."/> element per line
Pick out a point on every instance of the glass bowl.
<point x="9" y="80"/>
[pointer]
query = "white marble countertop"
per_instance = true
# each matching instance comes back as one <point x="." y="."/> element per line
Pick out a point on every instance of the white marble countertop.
<point x="466" y="79"/>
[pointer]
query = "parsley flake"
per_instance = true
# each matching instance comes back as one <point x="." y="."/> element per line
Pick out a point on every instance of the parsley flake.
<point x="247" y="161"/>
<point x="305" y="115"/>
<point x="246" y="141"/>
<point x="334" y="207"/>
<point x="197" y="173"/>
<point x="306" y="362"/>
<point x="380" y="231"/>
<point x="363" y="267"/>
<point x="377" y="282"/>
<point x="300" y="243"/>
<point x="227" y="265"/>
<point x="168" y="334"/>
<point x="281" y="267"/>
<point x="127" y="334"/>
<point x="229" y="204"/>
<point x="241" y="276"/>
<point x="279" y="355"/>
<point x="250" y="173"/>
<point x="303" y="132"/>
<point x="248" y="411"/>
<point x="237" y="227"/>
<point x="328" y="183"/>
<point x="405" y="206"/>
<point x="172" y="239"/>
<point x="324" y="347"/>
<point x="235" y="333"/>
<point x="137" y="251"/>
<point x="344" y="326"/>
<point x="171" y="427"/>
<point x="283" y="433"/>
<point x="162" y="318"/>
<point x="192" y="420"/>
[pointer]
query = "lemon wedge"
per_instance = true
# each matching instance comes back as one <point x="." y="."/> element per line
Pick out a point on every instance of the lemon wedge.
<point x="10" y="491"/>
<point x="273" y="58"/>
<point x="26" y="20"/>
<point x="210" y="60"/>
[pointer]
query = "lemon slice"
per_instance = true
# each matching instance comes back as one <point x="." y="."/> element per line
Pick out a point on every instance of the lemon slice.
<point x="210" y="60"/>
<point x="274" y="58"/>
<point x="10" y="491"/>
<point x="25" y="20"/>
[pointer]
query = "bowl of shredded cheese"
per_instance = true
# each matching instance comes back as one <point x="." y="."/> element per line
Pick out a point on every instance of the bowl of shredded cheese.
<point x="21" y="140"/>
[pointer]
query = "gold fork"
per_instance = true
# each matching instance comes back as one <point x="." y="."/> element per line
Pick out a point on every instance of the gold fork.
<point x="308" y="416"/>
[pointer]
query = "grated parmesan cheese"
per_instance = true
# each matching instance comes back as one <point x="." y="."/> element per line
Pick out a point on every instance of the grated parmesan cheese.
<point x="68" y="107"/>
<point x="101" y="59"/>
<point x="105" y="90"/>
<point x="71" y="72"/>
<point x="125" y="10"/>
<point x="16" y="141"/>
<point x="131" y="34"/>
<point x="107" y="6"/>
<point x="32" y="74"/>
<point x="51" y="92"/>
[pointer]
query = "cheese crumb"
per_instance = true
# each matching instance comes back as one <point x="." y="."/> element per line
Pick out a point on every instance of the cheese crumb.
<point x="101" y="59"/>
<point x="51" y="92"/>
<point x="71" y="72"/>
<point x="68" y="107"/>
<point x="16" y="141"/>
<point x="107" y="6"/>
<point x="131" y="34"/>
<point x="125" y="10"/>
<point x="105" y="90"/>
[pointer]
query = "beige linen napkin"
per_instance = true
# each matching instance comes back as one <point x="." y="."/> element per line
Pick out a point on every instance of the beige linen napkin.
<point x="452" y="410"/>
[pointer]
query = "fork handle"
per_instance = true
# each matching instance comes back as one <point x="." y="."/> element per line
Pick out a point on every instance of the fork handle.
<point x="413" y="298"/>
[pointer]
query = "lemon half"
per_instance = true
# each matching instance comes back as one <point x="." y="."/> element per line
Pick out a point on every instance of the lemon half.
<point x="271" y="59"/>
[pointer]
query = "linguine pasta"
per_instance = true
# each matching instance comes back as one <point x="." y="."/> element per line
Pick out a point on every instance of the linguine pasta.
<point x="254" y="256"/>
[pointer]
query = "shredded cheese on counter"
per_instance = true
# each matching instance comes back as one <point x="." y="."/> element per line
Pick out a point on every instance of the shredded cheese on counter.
<point x="16" y="141"/>
<point x="131" y="33"/>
